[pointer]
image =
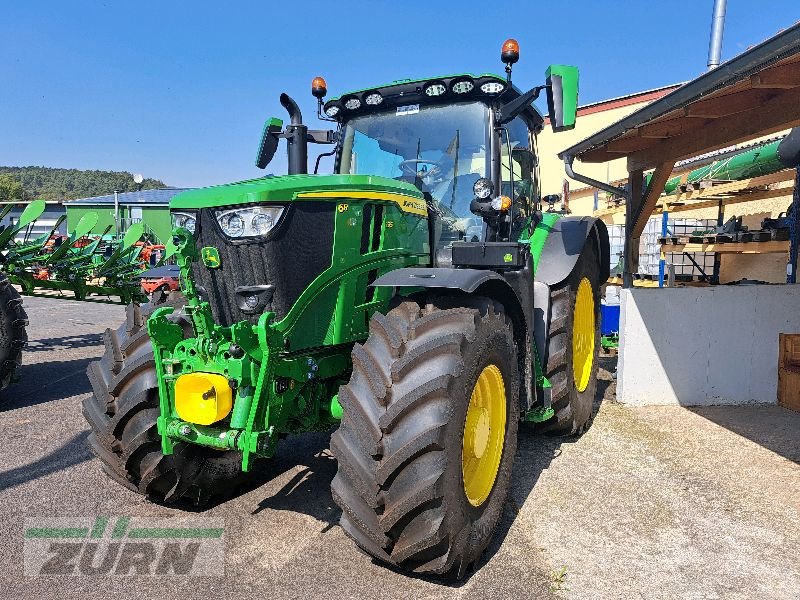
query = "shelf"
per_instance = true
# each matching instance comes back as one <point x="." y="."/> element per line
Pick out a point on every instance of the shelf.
<point x="653" y="283"/>
<point x="733" y="192"/>
<point x="729" y="247"/>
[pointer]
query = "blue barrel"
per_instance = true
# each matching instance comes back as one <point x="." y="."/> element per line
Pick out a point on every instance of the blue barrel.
<point x="609" y="319"/>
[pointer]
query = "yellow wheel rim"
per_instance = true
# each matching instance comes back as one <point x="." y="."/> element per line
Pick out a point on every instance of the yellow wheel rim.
<point x="484" y="435"/>
<point x="583" y="332"/>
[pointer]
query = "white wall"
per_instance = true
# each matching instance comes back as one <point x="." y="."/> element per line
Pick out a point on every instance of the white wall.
<point x="700" y="346"/>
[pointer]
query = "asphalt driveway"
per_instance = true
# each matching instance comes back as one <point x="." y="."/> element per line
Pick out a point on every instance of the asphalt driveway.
<point x="660" y="502"/>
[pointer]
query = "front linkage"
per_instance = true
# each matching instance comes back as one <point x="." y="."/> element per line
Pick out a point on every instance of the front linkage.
<point x="241" y="372"/>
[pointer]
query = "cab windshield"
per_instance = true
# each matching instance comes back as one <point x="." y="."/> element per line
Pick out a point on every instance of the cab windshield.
<point x="440" y="149"/>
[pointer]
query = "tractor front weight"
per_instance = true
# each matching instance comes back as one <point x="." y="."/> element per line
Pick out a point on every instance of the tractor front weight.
<point x="234" y="388"/>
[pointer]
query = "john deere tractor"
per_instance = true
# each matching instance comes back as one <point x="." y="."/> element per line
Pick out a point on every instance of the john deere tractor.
<point x="418" y="298"/>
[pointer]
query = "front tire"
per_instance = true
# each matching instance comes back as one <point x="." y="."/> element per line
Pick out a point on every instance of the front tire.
<point x="430" y="386"/>
<point x="13" y="336"/>
<point x="122" y="413"/>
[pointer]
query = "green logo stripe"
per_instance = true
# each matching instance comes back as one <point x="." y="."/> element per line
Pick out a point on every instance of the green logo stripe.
<point x="99" y="527"/>
<point x="175" y="532"/>
<point x="120" y="527"/>
<point x="56" y="532"/>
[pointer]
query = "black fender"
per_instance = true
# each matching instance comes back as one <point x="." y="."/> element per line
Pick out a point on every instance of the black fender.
<point x="565" y="244"/>
<point x="466" y="280"/>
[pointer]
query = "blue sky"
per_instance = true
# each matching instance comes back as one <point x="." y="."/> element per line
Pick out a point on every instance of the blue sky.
<point x="179" y="90"/>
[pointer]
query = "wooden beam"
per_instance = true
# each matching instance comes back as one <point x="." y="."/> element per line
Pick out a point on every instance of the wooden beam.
<point x="651" y="196"/>
<point x="729" y="104"/>
<point x="778" y="77"/>
<point x="667" y="129"/>
<point x="598" y="155"/>
<point x="781" y="112"/>
<point x="631" y="143"/>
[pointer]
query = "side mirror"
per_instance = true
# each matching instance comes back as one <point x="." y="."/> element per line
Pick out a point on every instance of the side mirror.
<point x="562" y="96"/>
<point x="269" y="142"/>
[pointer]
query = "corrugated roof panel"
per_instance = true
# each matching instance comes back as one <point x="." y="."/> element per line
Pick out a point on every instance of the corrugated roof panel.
<point x="155" y="196"/>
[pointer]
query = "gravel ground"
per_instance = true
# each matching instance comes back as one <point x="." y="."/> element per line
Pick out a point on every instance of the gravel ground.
<point x="659" y="502"/>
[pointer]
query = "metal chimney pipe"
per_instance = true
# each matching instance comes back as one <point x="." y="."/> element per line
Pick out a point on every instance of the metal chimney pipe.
<point x="717" y="25"/>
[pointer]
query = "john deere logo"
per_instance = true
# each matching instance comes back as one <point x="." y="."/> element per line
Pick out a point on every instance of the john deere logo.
<point x="211" y="257"/>
<point x="508" y="258"/>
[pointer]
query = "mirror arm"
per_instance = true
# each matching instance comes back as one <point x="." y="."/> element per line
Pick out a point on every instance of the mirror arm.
<point x="321" y="136"/>
<point x="508" y="112"/>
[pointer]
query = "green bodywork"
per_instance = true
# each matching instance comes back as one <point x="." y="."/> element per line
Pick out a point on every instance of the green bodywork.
<point x="609" y="342"/>
<point x="278" y="391"/>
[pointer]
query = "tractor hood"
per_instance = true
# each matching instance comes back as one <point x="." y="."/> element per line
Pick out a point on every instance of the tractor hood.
<point x="290" y="187"/>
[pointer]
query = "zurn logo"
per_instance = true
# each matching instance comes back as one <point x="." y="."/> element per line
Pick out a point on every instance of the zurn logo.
<point x="124" y="546"/>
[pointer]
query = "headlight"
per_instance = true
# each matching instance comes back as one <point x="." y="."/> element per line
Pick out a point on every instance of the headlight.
<point x="483" y="188"/>
<point x="254" y="221"/>
<point x="501" y="203"/>
<point x="332" y="110"/>
<point x="373" y="99"/>
<point x="435" y="89"/>
<point x="492" y="87"/>
<point x="463" y="86"/>
<point x="185" y="220"/>
<point x="352" y="103"/>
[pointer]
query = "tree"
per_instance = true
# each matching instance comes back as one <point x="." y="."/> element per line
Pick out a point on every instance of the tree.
<point x="10" y="189"/>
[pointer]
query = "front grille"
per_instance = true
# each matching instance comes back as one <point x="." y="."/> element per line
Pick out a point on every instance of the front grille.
<point x="289" y="259"/>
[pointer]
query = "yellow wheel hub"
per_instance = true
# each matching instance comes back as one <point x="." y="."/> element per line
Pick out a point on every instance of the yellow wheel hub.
<point x="484" y="435"/>
<point x="583" y="332"/>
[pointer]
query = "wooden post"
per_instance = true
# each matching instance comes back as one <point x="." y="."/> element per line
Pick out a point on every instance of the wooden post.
<point x="633" y="206"/>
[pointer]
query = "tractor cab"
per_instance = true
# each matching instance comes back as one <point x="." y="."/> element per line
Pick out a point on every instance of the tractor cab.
<point x="466" y="142"/>
<point x="440" y="135"/>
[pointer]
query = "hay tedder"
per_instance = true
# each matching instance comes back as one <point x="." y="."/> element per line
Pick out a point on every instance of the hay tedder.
<point x="418" y="298"/>
<point x="91" y="267"/>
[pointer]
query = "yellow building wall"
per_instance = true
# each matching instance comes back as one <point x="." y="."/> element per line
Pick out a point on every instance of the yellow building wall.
<point x="551" y="167"/>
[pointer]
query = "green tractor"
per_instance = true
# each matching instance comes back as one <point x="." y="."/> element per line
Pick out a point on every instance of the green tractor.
<point x="418" y="298"/>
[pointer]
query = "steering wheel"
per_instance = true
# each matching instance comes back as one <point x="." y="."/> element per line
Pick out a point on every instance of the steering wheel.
<point x="409" y="167"/>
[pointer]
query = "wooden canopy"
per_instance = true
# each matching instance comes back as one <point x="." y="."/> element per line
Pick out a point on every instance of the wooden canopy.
<point x="753" y="94"/>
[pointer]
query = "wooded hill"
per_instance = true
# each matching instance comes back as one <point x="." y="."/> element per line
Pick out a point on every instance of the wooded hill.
<point x="68" y="184"/>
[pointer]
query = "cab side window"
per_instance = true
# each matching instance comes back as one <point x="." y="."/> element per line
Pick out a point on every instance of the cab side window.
<point x="518" y="167"/>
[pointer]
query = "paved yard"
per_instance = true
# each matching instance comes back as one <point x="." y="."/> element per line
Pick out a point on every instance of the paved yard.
<point x="650" y="503"/>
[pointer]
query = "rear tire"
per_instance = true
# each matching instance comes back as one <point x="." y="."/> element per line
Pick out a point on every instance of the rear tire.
<point x="572" y="405"/>
<point x="13" y="336"/>
<point x="122" y="413"/>
<point x="400" y="446"/>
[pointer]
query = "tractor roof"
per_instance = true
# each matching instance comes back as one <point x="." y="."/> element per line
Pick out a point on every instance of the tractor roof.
<point x="399" y="83"/>
<point x="442" y="89"/>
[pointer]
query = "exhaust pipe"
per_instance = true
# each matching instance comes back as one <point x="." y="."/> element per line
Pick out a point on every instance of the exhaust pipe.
<point x="296" y="137"/>
<point x="717" y="25"/>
